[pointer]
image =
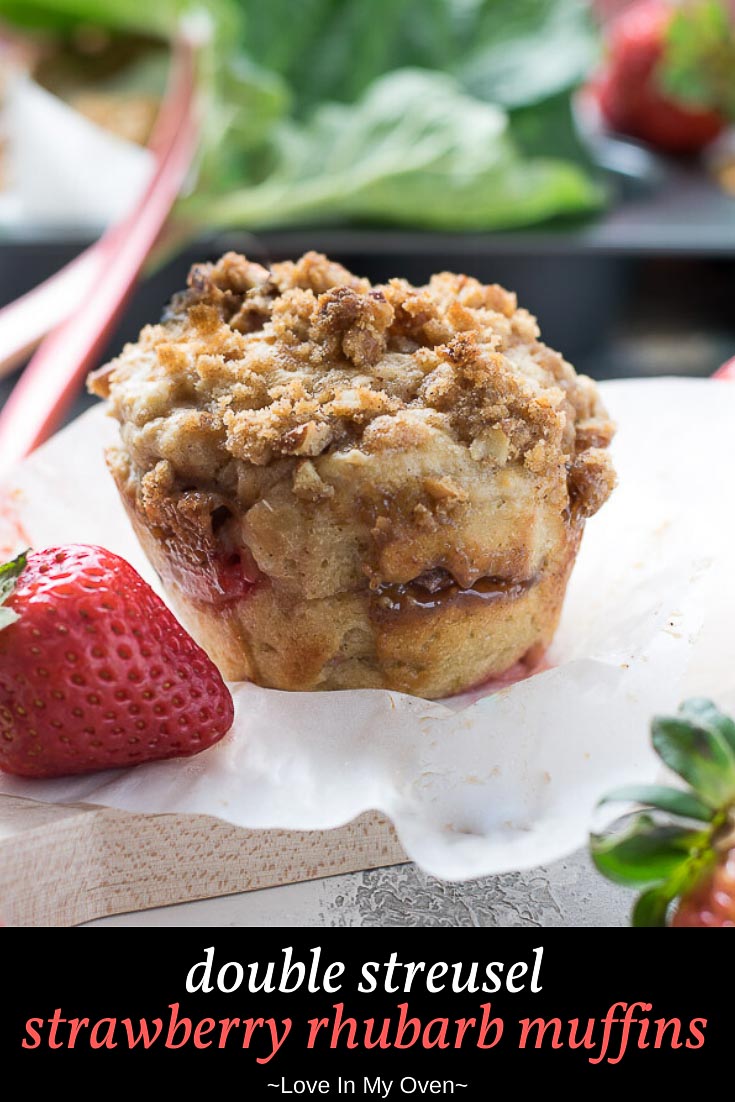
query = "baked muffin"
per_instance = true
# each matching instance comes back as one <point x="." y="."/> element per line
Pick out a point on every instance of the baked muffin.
<point x="351" y="486"/>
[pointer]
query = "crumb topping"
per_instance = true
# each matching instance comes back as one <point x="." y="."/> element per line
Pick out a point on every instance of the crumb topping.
<point x="306" y="380"/>
<point x="304" y="357"/>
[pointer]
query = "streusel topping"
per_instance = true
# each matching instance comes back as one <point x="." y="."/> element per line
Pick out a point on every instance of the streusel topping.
<point x="301" y="392"/>
<point x="305" y="357"/>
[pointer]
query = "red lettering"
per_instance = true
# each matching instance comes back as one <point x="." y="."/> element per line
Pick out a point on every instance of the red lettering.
<point x="661" y="1026"/>
<point x="405" y="1023"/>
<point x="109" y="1033"/>
<point x="339" y="1024"/>
<point x="527" y="1024"/>
<point x="226" y="1024"/>
<point x="696" y="1032"/>
<point x="486" y="1025"/>
<point x="75" y="1024"/>
<point x="143" y="1037"/>
<point x="205" y="1026"/>
<point x="175" y="1025"/>
<point x="315" y="1024"/>
<point x="55" y="1022"/>
<point x="382" y="1041"/>
<point x="34" y="1035"/>
<point x="463" y="1024"/>
<point x="586" y="1041"/>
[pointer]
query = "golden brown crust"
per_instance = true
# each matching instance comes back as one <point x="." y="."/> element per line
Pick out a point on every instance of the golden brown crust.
<point x="325" y="439"/>
<point x="365" y="639"/>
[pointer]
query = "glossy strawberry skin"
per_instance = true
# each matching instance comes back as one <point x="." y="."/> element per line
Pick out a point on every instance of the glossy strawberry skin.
<point x="628" y="92"/>
<point x="97" y="673"/>
<point x="712" y="902"/>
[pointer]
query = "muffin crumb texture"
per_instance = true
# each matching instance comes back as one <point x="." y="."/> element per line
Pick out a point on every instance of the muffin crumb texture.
<point x="296" y="442"/>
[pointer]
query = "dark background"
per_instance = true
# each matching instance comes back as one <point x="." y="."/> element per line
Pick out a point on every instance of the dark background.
<point x="145" y="973"/>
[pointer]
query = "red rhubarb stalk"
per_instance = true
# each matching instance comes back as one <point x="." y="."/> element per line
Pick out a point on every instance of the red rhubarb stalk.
<point x="44" y="391"/>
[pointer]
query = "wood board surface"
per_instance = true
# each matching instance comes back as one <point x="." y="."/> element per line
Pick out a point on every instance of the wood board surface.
<point x="65" y="864"/>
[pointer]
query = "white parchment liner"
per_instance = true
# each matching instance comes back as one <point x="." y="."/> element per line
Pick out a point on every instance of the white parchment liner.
<point x="508" y="781"/>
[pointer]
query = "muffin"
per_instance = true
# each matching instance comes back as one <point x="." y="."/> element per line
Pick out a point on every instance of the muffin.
<point x="352" y="486"/>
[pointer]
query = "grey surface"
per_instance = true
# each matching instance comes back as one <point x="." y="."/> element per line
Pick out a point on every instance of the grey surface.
<point x="568" y="893"/>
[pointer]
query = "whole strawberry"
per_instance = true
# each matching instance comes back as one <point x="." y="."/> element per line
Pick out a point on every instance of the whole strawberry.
<point x="95" y="672"/>
<point x="667" y="77"/>
<point x="687" y="854"/>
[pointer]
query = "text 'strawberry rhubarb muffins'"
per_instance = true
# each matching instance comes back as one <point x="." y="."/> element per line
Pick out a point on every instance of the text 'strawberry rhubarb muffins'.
<point x="345" y="485"/>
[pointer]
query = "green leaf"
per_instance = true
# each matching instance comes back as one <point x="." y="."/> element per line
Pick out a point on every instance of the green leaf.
<point x="646" y="853"/>
<point x="665" y="799"/>
<point x="9" y="574"/>
<point x="334" y="49"/>
<point x="155" y="17"/>
<point x="523" y="51"/>
<point x="701" y="756"/>
<point x="651" y="907"/>
<point x="699" y="60"/>
<point x="509" y="52"/>
<point x="706" y="714"/>
<point x="436" y="157"/>
<point x="548" y="128"/>
<point x="414" y="150"/>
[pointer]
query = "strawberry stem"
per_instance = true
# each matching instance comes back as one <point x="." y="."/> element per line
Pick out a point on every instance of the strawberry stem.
<point x="9" y="574"/>
<point x="666" y="855"/>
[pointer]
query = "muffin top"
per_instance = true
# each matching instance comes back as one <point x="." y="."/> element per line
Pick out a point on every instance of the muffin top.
<point x="423" y="427"/>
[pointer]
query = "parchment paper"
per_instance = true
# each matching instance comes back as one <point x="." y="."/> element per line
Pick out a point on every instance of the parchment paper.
<point x="505" y="782"/>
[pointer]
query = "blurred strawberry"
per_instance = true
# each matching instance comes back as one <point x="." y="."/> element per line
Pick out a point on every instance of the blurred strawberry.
<point x="669" y="78"/>
<point x="688" y="853"/>
<point x="726" y="371"/>
<point x="712" y="901"/>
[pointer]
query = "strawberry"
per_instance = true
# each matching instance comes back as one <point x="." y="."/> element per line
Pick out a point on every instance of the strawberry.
<point x="95" y="672"/>
<point x="712" y="901"/>
<point x="665" y="79"/>
<point x="688" y="854"/>
<point x="726" y="371"/>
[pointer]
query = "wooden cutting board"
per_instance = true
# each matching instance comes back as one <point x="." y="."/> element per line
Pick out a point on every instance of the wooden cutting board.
<point x="61" y="864"/>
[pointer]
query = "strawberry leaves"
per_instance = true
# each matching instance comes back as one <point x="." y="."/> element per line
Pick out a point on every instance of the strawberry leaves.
<point x="707" y="715"/>
<point x="646" y="852"/>
<point x="674" y="800"/>
<point x="9" y="574"/>
<point x="694" y="745"/>
<point x="697" y="66"/>
<point x="669" y="855"/>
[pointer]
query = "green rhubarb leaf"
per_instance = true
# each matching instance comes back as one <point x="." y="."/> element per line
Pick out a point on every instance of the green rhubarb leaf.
<point x="522" y="52"/>
<point x="416" y="150"/>
<point x="699" y="754"/>
<point x="509" y="52"/>
<point x="659" y="796"/>
<point x="646" y="853"/>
